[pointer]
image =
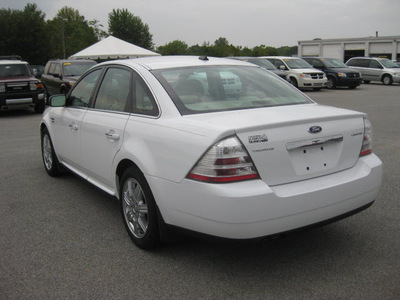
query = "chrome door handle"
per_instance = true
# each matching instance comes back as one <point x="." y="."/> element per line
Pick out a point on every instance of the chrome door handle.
<point x="111" y="135"/>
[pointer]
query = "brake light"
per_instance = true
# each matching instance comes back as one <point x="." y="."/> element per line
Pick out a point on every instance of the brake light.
<point x="366" y="147"/>
<point x="226" y="161"/>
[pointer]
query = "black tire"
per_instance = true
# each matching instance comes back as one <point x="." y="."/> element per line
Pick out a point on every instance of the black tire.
<point x="50" y="160"/>
<point x="331" y="84"/>
<point x="40" y="107"/>
<point x="139" y="210"/>
<point x="293" y="81"/>
<point x="367" y="81"/>
<point x="317" y="89"/>
<point x="387" y="80"/>
<point x="352" y="87"/>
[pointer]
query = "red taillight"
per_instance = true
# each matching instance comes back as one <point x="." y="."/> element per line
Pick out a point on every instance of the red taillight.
<point x="226" y="161"/>
<point x="366" y="147"/>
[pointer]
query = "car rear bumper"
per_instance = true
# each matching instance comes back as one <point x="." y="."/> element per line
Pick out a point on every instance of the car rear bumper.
<point x="252" y="209"/>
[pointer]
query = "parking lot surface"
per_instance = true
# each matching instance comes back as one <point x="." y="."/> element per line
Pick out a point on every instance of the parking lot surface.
<point x="62" y="238"/>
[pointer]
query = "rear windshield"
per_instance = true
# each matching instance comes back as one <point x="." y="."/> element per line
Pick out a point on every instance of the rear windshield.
<point x="221" y="88"/>
<point x="14" y="70"/>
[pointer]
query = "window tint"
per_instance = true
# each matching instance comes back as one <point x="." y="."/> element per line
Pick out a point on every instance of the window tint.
<point x="363" y="63"/>
<point x="374" y="64"/>
<point x="83" y="90"/>
<point x="52" y="68"/>
<point x="57" y="69"/>
<point x="317" y="64"/>
<point x="144" y="102"/>
<point x="221" y="88"/>
<point x="114" y="91"/>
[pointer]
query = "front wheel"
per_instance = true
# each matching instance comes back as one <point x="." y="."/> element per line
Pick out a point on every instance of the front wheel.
<point x="331" y="83"/>
<point x="40" y="107"/>
<point x="50" y="161"/>
<point x="293" y="81"/>
<point x="387" y="80"/>
<point x="139" y="210"/>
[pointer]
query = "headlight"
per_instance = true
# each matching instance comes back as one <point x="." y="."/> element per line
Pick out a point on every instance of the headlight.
<point x="342" y="75"/>
<point x="305" y="75"/>
<point x="71" y="83"/>
<point x="33" y="86"/>
<point x="2" y="88"/>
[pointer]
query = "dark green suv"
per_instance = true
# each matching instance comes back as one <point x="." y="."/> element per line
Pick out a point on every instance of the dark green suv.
<point x="60" y="75"/>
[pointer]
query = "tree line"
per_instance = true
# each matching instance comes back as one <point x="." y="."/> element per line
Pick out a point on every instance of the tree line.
<point x="28" y="34"/>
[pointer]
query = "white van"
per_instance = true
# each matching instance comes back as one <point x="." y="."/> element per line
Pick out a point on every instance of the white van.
<point x="299" y="72"/>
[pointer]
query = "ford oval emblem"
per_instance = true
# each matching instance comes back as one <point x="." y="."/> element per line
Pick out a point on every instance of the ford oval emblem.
<point x="315" y="129"/>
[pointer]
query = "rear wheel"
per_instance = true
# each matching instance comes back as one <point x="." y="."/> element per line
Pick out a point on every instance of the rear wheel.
<point x="139" y="210"/>
<point x="387" y="80"/>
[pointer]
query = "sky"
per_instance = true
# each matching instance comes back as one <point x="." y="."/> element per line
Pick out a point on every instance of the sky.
<point x="246" y="23"/>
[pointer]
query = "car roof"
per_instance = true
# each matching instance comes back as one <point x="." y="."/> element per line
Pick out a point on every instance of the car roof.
<point x="12" y="61"/>
<point x="281" y="57"/>
<point x="177" y="61"/>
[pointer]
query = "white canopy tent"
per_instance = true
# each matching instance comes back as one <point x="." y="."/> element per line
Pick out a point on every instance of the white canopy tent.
<point x="112" y="48"/>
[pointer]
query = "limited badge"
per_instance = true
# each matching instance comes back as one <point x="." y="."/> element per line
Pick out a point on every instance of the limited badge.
<point x="259" y="138"/>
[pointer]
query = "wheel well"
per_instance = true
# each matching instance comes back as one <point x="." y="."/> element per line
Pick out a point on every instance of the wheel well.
<point x="386" y="74"/>
<point x="122" y="166"/>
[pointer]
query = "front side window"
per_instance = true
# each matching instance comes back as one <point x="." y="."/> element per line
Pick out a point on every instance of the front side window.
<point x="222" y="88"/>
<point x="114" y="91"/>
<point x="81" y="94"/>
<point x="374" y="64"/>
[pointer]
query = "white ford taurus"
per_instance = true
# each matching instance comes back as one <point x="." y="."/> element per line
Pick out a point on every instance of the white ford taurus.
<point x="220" y="147"/>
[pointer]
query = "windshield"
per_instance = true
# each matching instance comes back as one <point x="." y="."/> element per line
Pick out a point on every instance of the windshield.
<point x="333" y="63"/>
<point x="76" y="69"/>
<point x="15" y="70"/>
<point x="264" y="63"/>
<point x="388" y="63"/>
<point x="297" y="63"/>
<point x="221" y="88"/>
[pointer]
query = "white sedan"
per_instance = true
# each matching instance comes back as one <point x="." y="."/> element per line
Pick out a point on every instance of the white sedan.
<point x="216" y="146"/>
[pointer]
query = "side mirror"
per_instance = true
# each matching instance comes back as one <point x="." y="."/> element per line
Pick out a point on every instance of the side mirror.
<point x="282" y="67"/>
<point x="57" y="100"/>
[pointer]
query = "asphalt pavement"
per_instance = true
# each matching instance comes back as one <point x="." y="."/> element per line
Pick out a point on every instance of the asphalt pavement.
<point x="62" y="238"/>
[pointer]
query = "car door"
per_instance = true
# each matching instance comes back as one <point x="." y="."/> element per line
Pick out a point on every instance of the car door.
<point x="102" y="129"/>
<point x="66" y="122"/>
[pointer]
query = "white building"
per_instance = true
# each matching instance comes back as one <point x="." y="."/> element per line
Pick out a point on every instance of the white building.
<point x="344" y="49"/>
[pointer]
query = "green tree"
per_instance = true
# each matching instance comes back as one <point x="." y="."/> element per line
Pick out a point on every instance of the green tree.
<point x="69" y="33"/>
<point x="173" y="48"/>
<point x="124" y="25"/>
<point x="23" y="33"/>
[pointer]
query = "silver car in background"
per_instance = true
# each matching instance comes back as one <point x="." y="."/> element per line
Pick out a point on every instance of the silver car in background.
<point x="376" y="69"/>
